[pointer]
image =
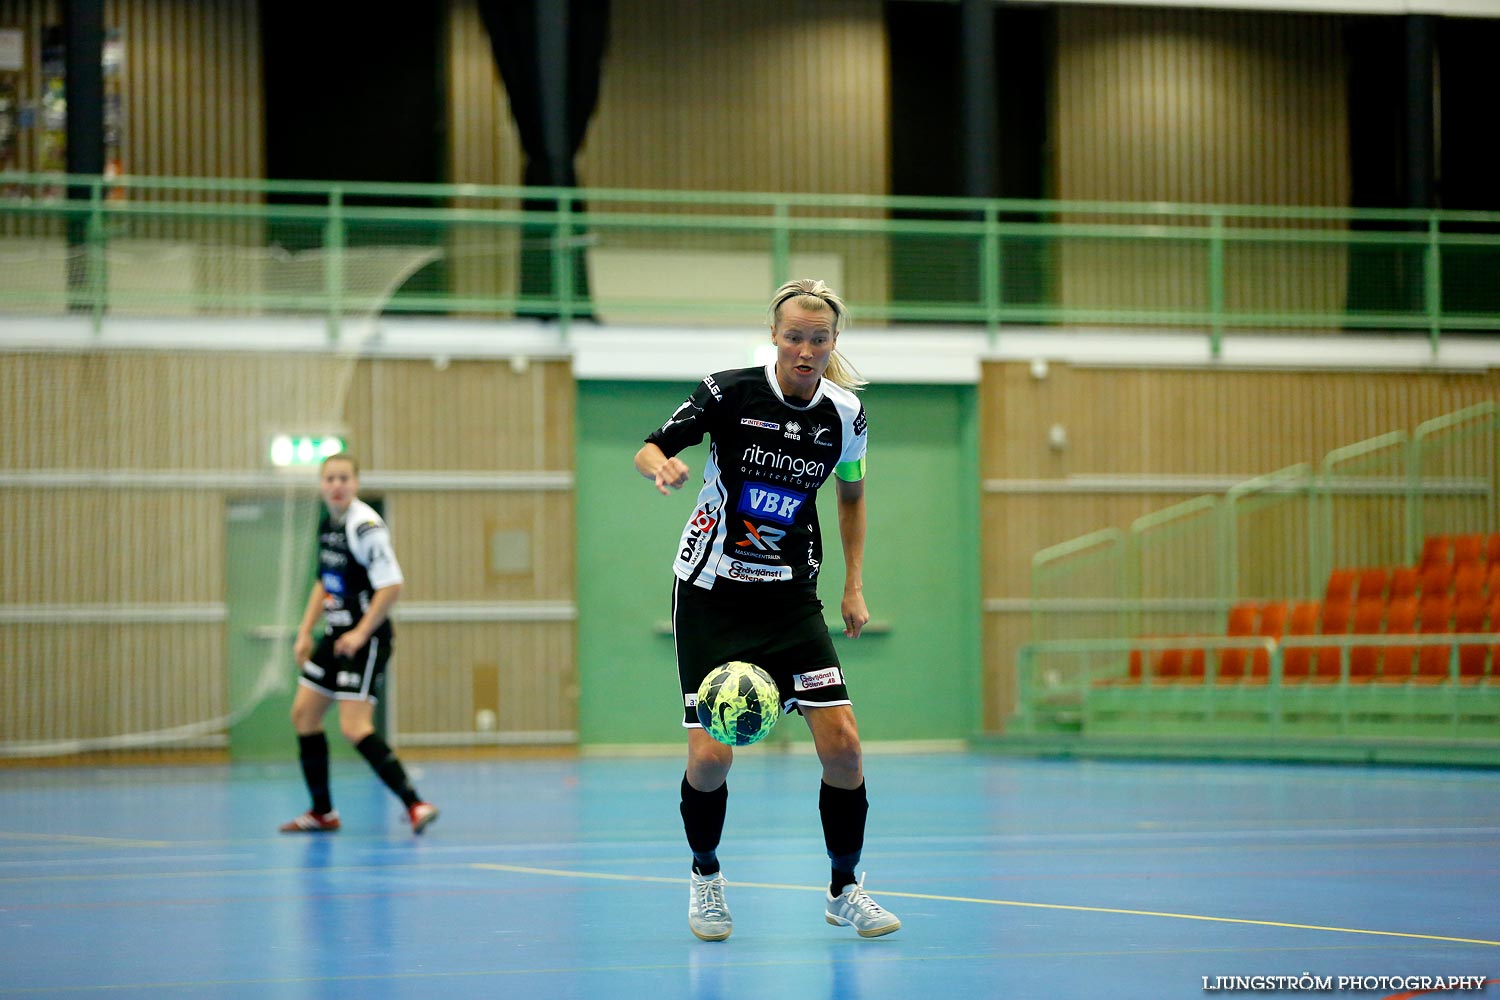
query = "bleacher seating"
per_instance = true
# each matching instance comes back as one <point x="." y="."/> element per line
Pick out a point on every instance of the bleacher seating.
<point x="1453" y="590"/>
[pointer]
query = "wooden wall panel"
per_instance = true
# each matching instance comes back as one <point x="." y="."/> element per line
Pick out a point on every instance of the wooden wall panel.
<point x="83" y="681"/>
<point x="101" y="546"/>
<point x="1200" y="106"/>
<point x="781" y="95"/>
<point x="192" y="87"/>
<point x="445" y="541"/>
<point x="484" y="147"/>
<point x="1211" y="107"/>
<point x="467" y="415"/>
<point x="100" y="535"/>
<point x="784" y="96"/>
<point x="533" y="662"/>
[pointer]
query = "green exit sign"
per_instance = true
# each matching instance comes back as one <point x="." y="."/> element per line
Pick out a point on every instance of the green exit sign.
<point x="303" y="449"/>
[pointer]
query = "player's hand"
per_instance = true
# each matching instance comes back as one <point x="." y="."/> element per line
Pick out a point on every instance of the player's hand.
<point x="856" y="617"/>
<point x="674" y="473"/>
<point x="349" y="643"/>
<point x="302" y="648"/>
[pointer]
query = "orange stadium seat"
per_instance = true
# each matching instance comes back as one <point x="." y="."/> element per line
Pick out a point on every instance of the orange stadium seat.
<point x="1469" y="579"/>
<point x="1241" y="622"/>
<point x="1335" y="621"/>
<point x="1434" y="617"/>
<point x="1403" y="581"/>
<point x="1272" y="625"/>
<point x="1468" y="549"/>
<point x="1437" y="578"/>
<point x="1363" y="660"/>
<point x="1340" y="587"/>
<point x="1372" y="583"/>
<point x="1400" y="619"/>
<point x="1297" y="663"/>
<point x="1435" y="549"/>
<point x="1468" y="616"/>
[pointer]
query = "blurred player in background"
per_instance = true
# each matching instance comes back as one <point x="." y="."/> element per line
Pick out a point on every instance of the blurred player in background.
<point x="746" y="586"/>
<point x="358" y="581"/>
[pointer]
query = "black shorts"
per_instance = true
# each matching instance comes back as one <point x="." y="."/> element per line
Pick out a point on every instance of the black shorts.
<point x="360" y="677"/>
<point x="778" y="628"/>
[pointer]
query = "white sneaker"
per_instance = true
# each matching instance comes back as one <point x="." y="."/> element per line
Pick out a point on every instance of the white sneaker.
<point x="708" y="914"/>
<point x="854" y="908"/>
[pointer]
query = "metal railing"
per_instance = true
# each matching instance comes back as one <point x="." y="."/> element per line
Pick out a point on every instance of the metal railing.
<point x="1065" y="683"/>
<point x="561" y="254"/>
<point x="1274" y="537"/>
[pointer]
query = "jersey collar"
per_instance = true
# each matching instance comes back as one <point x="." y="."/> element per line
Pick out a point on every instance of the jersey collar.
<point x="770" y="373"/>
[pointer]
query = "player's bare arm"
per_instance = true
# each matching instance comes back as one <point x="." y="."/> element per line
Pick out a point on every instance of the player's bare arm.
<point x="666" y="472"/>
<point x="380" y="609"/>
<point x="852" y="609"/>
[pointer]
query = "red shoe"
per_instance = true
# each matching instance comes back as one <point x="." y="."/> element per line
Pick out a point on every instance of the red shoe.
<point x="311" y="822"/>
<point x="422" y="814"/>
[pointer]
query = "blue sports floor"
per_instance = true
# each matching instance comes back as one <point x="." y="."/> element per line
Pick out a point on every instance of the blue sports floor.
<point x="560" y="878"/>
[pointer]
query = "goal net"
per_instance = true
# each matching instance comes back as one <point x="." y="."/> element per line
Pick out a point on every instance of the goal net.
<point x="154" y="557"/>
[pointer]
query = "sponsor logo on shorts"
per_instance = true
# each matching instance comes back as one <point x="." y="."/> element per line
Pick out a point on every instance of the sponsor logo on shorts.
<point x="314" y="671"/>
<point x="811" y="681"/>
<point x="690" y="700"/>
<point x="757" y="574"/>
<point x="764" y="425"/>
<point x="348" y="679"/>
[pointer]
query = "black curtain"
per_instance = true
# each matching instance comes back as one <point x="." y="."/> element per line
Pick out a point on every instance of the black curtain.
<point x="349" y="99"/>
<point x="1386" y="165"/>
<point x="928" y="152"/>
<point x="82" y="42"/>
<point x="521" y="51"/>
<point x="1466" y="49"/>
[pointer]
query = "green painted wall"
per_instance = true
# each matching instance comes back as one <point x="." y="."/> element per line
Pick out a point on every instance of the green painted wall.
<point x="918" y="681"/>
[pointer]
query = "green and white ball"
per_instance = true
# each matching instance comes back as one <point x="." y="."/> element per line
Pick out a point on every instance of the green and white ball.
<point x="738" y="703"/>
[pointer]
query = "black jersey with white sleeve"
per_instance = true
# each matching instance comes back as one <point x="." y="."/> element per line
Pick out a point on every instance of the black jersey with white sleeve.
<point x="756" y="518"/>
<point x="355" y="559"/>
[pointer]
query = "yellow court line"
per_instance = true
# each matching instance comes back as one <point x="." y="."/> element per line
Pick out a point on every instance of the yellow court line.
<point x="563" y="873"/>
<point x="73" y="838"/>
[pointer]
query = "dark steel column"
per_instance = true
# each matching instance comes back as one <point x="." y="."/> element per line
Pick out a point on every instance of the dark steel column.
<point x="980" y="119"/>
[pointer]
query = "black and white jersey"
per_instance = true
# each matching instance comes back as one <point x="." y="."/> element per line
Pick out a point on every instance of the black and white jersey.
<point x="756" y="520"/>
<point x="355" y="559"/>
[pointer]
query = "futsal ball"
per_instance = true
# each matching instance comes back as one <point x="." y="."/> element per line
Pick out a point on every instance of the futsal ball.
<point x="738" y="703"/>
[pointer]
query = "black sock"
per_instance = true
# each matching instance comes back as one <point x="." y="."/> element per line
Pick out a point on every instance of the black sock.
<point x="703" y="819"/>
<point x="843" y="811"/>
<point x="312" y="749"/>
<point x="383" y="760"/>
